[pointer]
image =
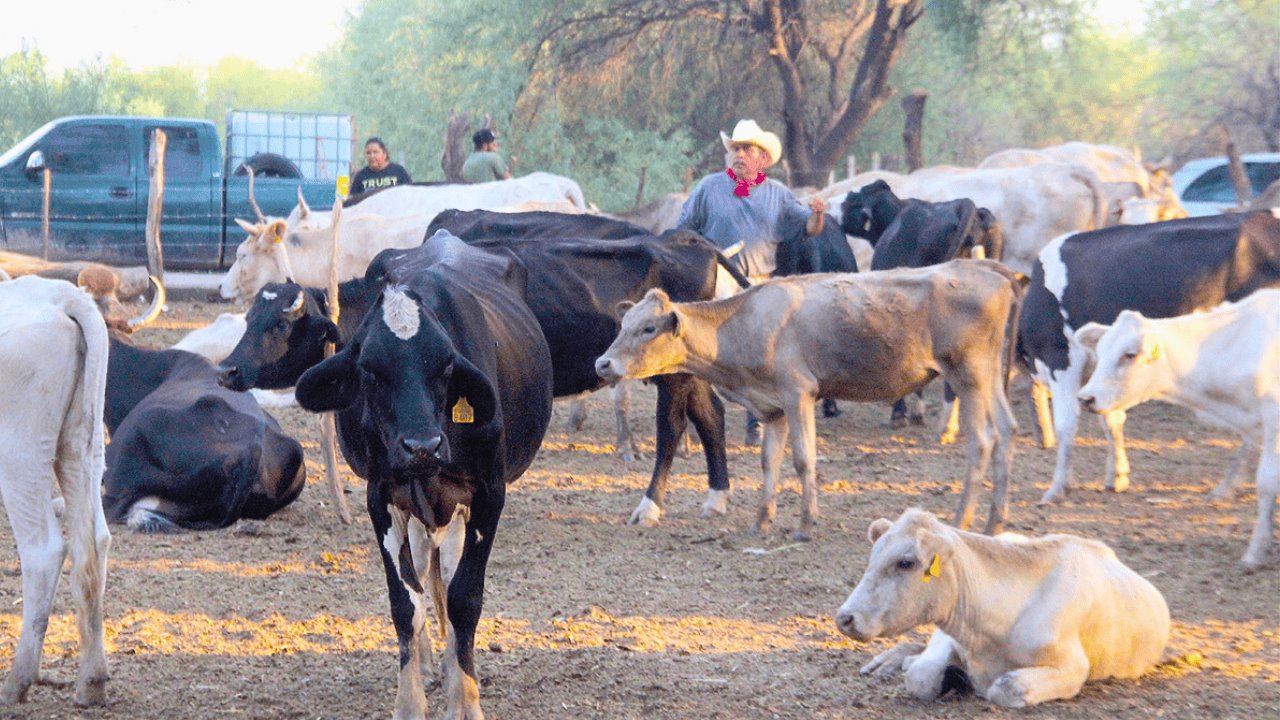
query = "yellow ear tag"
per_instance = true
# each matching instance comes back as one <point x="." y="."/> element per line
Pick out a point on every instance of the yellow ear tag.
<point x="462" y="412"/>
<point x="1155" y="353"/>
<point x="343" y="187"/>
<point x="277" y="238"/>
<point x="935" y="568"/>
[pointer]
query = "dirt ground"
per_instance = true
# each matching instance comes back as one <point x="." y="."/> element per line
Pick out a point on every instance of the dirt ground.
<point x="588" y="618"/>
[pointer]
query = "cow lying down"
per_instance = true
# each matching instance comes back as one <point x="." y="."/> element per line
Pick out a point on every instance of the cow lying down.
<point x="1028" y="620"/>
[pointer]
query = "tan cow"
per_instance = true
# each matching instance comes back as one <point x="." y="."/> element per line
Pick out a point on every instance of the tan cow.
<point x="778" y="346"/>
<point x="1028" y="620"/>
<point x="105" y="284"/>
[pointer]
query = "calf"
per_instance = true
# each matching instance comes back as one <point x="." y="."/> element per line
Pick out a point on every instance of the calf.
<point x="778" y="346"/>
<point x="53" y="367"/>
<point x="1028" y="620"/>
<point x="1223" y="364"/>
<point x="186" y="452"/>
<point x="1161" y="270"/>
<point x="444" y="393"/>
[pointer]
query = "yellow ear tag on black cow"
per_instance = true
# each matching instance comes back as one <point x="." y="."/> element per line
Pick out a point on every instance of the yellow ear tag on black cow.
<point x="935" y="568"/>
<point x="462" y="412"/>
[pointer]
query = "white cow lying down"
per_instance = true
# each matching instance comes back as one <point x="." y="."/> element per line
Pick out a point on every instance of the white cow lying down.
<point x="53" y="368"/>
<point x="1224" y="364"/>
<point x="1027" y="619"/>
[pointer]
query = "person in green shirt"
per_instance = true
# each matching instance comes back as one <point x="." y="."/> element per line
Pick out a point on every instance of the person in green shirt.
<point x="484" y="164"/>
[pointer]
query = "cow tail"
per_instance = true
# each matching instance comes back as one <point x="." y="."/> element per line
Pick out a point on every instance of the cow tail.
<point x="1100" y="210"/>
<point x="732" y="268"/>
<point x="84" y="508"/>
<point x="1013" y="342"/>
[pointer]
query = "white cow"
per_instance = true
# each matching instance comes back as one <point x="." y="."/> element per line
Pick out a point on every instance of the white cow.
<point x="53" y="367"/>
<point x="1028" y="620"/>
<point x="1224" y="364"/>
<point x="658" y="216"/>
<point x="215" y="341"/>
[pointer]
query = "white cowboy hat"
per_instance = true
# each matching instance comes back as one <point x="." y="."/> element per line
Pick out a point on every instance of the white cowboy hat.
<point x="747" y="131"/>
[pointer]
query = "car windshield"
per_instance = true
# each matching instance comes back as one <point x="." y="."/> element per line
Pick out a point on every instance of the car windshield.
<point x="23" y="145"/>
<point x="1215" y="184"/>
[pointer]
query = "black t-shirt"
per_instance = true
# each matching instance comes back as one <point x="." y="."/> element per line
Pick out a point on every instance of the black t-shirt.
<point x="388" y="176"/>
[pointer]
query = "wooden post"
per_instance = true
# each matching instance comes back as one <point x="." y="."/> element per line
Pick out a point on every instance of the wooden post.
<point x="44" y="212"/>
<point x="328" y="427"/>
<point x="1239" y="180"/>
<point x="455" y="152"/>
<point x="851" y="165"/>
<point x="687" y="180"/>
<point x="913" y="108"/>
<point x="644" y="169"/>
<point x="155" y="203"/>
<point x="875" y="160"/>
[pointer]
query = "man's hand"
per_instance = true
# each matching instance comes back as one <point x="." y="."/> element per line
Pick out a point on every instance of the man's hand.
<point x="818" y="205"/>
<point x="512" y="165"/>
<point x="814" y="224"/>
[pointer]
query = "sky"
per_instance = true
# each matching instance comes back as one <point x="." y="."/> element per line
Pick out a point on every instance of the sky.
<point x="275" y="33"/>
<point x="145" y="33"/>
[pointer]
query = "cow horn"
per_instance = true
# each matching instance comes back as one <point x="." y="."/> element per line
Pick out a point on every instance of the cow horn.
<point x="297" y="304"/>
<point x="303" y="210"/>
<point x="157" y="304"/>
<point x="4" y="275"/>
<point x="253" y="202"/>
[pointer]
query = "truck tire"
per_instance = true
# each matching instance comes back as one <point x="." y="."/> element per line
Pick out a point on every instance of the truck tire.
<point x="269" y="165"/>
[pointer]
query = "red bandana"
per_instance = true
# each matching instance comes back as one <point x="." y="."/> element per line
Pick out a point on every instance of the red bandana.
<point x="744" y="186"/>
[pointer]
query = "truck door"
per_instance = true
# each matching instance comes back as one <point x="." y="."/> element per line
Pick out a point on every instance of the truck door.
<point x="93" y="207"/>
<point x="190" y="227"/>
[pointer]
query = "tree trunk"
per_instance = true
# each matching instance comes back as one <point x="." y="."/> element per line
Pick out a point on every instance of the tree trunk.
<point x="455" y="144"/>
<point x="913" y="108"/>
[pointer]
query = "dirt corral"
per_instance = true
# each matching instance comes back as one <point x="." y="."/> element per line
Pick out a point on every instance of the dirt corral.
<point x="588" y="618"/>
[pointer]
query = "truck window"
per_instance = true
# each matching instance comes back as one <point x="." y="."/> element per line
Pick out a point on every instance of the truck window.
<point x="181" y="153"/>
<point x="87" y="150"/>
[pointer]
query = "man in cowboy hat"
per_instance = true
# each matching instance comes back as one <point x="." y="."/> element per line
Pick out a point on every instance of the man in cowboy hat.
<point x="742" y="205"/>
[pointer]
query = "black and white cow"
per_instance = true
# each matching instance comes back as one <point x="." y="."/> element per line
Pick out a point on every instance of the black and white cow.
<point x="186" y="452"/>
<point x="1160" y="270"/>
<point x="574" y="288"/>
<point x="476" y="224"/>
<point x="444" y="393"/>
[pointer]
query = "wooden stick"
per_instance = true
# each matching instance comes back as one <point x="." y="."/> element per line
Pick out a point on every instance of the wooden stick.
<point x="328" y="428"/>
<point x="155" y="203"/>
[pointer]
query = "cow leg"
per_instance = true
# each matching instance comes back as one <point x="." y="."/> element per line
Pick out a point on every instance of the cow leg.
<point x="707" y="413"/>
<point x="926" y="673"/>
<point x="25" y="489"/>
<point x="1063" y="385"/>
<point x="1117" y="459"/>
<point x="804" y="455"/>
<point x="577" y="413"/>
<point x="915" y="410"/>
<point x="408" y="608"/>
<point x="1033" y="685"/>
<point x="625" y="445"/>
<point x="1230" y="485"/>
<point x="830" y="409"/>
<point x="671" y="423"/>
<point x="1268" y="480"/>
<point x="898" y="416"/>
<point x="466" y="599"/>
<point x="976" y="423"/>
<point x="1006" y="427"/>
<point x="771" y="454"/>
<point x="1044" y="416"/>
<point x="89" y="542"/>
<point x="751" y="437"/>
<point x="950" y="429"/>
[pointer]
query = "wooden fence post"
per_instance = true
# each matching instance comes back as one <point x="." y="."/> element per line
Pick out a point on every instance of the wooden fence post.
<point x="155" y="203"/>
<point x="644" y="169"/>
<point x="913" y="107"/>
<point x="1239" y="180"/>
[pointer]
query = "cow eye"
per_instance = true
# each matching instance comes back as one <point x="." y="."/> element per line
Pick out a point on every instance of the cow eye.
<point x="906" y="564"/>
<point x="650" y="329"/>
<point x="1130" y="356"/>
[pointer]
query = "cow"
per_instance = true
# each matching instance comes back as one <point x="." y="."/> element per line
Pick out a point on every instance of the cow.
<point x="186" y="452"/>
<point x="477" y="224"/>
<point x="1027" y="620"/>
<point x="658" y="216"/>
<point x="215" y="341"/>
<point x="53" y="363"/>
<point x="107" y="285"/>
<point x="778" y="346"/>
<point x="1224" y="364"/>
<point x="1161" y="270"/>
<point x="574" y="287"/>
<point x="443" y="396"/>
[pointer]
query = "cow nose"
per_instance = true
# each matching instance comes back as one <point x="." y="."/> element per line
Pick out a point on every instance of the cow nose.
<point x="230" y="377"/>
<point x="604" y="368"/>
<point x="845" y="622"/>
<point x="422" y="447"/>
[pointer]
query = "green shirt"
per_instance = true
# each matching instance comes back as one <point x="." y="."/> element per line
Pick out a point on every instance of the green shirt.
<point x="483" y="167"/>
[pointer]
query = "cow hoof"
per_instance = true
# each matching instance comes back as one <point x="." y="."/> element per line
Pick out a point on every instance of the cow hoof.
<point x="897" y="422"/>
<point x="751" y="438"/>
<point x="1052" y="497"/>
<point x="916" y="419"/>
<point x="717" y="504"/>
<point x="830" y="409"/>
<point x="802" y="536"/>
<point x="1249" y="567"/>
<point x="1006" y="692"/>
<point x="1119" y="484"/>
<point x="647" y="514"/>
<point x="91" y="693"/>
<point x="947" y="438"/>
<point x="628" y="456"/>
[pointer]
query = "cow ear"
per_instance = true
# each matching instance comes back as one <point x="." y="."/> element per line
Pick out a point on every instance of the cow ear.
<point x="1089" y="335"/>
<point x="877" y="529"/>
<point x="677" y="327"/>
<point x="621" y="308"/>
<point x="331" y="332"/>
<point x="471" y="385"/>
<point x="275" y="232"/>
<point x="331" y="385"/>
<point x="930" y="545"/>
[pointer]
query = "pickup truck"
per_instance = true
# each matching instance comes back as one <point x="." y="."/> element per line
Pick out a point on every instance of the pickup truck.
<point x="99" y="186"/>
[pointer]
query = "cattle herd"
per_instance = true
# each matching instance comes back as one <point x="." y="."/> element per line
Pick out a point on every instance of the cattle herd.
<point x="464" y="311"/>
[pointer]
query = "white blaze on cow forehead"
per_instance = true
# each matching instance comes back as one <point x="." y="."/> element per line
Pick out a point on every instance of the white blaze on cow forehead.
<point x="269" y="295"/>
<point x="400" y="313"/>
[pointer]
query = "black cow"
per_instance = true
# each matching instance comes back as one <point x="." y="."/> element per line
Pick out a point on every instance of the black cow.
<point x="868" y="212"/>
<point x="828" y="251"/>
<point x="476" y="224"/>
<point x="574" y="288"/>
<point x="186" y="452"/>
<point x="446" y="393"/>
<point x="1161" y="270"/>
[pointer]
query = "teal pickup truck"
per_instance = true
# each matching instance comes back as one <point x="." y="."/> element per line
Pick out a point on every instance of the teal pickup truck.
<point x="99" y="186"/>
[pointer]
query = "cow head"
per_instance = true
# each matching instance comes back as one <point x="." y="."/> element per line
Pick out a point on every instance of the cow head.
<point x="103" y="285"/>
<point x="867" y="212"/>
<point x="285" y="332"/>
<point x="909" y="579"/>
<point x="1130" y="363"/>
<point x="417" y="396"/>
<point x="650" y="341"/>
<point x="258" y="260"/>
<point x="1160" y="189"/>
